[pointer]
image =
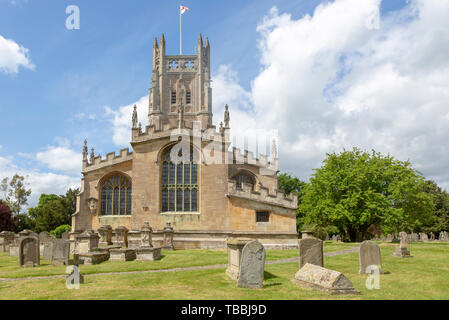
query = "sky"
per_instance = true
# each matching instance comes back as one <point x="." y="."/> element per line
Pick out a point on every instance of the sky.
<point x="326" y="75"/>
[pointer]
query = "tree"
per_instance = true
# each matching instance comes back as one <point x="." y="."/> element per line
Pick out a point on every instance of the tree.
<point x="69" y="201"/>
<point x="15" y="193"/>
<point x="440" y="198"/>
<point x="355" y="189"/>
<point x="48" y="214"/>
<point x="7" y="221"/>
<point x="289" y="184"/>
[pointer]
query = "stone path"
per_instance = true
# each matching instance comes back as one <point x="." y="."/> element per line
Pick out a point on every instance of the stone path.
<point x="219" y="266"/>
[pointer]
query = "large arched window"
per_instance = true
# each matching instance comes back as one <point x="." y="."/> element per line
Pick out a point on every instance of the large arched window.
<point x="243" y="178"/>
<point x="116" y="196"/>
<point x="179" y="186"/>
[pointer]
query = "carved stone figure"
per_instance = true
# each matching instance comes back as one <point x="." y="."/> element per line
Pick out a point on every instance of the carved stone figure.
<point x="92" y="205"/>
<point x="226" y="116"/>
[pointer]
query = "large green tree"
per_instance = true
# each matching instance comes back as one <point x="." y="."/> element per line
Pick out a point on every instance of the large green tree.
<point x="289" y="184"/>
<point x="440" y="221"/>
<point x="356" y="189"/>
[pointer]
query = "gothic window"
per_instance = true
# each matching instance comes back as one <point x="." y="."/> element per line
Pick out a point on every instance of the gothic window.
<point x="179" y="183"/>
<point x="116" y="196"/>
<point x="173" y="97"/>
<point x="243" y="178"/>
<point x="188" y="97"/>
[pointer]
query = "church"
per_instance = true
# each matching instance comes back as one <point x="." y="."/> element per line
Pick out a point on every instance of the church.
<point x="183" y="172"/>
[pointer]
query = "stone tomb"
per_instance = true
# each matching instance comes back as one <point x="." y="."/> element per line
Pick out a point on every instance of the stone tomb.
<point x="369" y="255"/>
<point x="443" y="236"/>
<point x="6" y="239"/>
<point x="91" y="258"/>
<point x="61" y="252"/>
<point x="168" y="237"/>
<point x="252" y="266"/>
<point x="122" y="254"/>
<point x="310" y="251"/>
<point x="423" y="237"/>
<point x="235" y="248"/>
<point x="319" y="278"/>
<point x="121" y="237"/>
<point x="29" y="252"/>
<point x="147" y="251"/>
<point x="86" y="242"/>
<point x="105" y="233"/>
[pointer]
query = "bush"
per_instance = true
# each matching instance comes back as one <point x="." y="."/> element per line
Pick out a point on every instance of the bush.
<point x="60" y="230"/>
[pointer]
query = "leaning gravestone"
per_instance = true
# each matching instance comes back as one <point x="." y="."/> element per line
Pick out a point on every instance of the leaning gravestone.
<point x="369" y="254"/>
<point x="310" y="251"/>
<point x="29" y="252"/>
<point x="252" y="266"/>
<point x="60" y="252"/>
<point x="319" y="278"/>
<point x="444" y="236"/>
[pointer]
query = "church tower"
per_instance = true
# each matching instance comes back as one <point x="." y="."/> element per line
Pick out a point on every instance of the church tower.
<point x="180" y="83"/>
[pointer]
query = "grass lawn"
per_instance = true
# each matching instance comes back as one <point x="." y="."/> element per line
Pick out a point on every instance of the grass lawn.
<point x="425" y="276"/>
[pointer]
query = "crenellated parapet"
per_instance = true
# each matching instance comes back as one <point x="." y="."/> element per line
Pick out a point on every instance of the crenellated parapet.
<point x="247" y="157"/>
<point x="111" y="159"/>
<point x="263" y="195"/>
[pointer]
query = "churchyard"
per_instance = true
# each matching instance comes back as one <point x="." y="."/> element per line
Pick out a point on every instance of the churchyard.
<point x="424" y="276"/>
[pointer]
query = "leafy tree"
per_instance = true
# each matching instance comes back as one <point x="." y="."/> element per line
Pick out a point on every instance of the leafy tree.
<point x="69" y="201"/>
<point x="7" y="221"/>
<point x="49" y="213"/>
<point x="289" y="184"/>
<point x="440" y="221"/>
<point x="356" y="189"/>
<point x="15" y="192"/>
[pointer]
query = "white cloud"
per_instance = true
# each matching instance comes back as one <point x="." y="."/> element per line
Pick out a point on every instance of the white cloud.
<point x="344" y="77"/>
<point x="61" y="158"/>
<point x="121" y="120"/>
<point x="39" y="182"/>
<point x="12" y="56"/>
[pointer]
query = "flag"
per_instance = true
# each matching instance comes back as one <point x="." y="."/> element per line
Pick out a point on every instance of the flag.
<point x="183" y="9"/>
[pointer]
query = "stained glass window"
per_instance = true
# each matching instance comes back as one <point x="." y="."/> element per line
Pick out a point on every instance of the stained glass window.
<point x="116" y="196"/>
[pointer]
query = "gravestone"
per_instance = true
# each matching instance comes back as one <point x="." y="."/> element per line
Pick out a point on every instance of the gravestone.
<point x="423" y="237"/>
<point x="334" y="237"/>
<point x="60" y="253"/>
<point x="432" y="236"/>
<point x="121" y="237"/>
<point x="383" y="238"/>
<point x="389" y="237"/>
<point x="146" y="251"/>
<point x="46" y="241"/>
<point x="306" y="234"/>
<point x="14" y="246"/>
<point x="65" y="235"/>
<point x="122" y="254"/>
<point x="235" y="248"/>
<point x="414" y="237"/>
<point x="6" y="239"/>
<point x="29" y="251"/>
<point x="252" y="266"/>
<point x="105" y="233"/>
<point x="444" y="236"/>
<point x="369" y="254"/>
<point x="319" y="278"/>
<point x="310" y="251"/>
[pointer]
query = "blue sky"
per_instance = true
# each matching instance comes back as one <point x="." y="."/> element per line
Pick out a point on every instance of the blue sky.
<point x="107" y="63"/>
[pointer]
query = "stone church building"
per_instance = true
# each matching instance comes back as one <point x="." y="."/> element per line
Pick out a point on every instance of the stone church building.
<point x="182" y="170"/>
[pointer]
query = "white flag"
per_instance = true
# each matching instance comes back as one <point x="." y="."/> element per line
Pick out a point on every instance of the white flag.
<point x="183" y="9"/>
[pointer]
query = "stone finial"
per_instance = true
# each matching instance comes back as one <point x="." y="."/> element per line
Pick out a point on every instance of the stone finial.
<point x="200" y="40"/>
<point x="274" y="151"/>
<point x="226" y="117"/>
<point x="221" y="128"/>
<point x="155" y="45"/>
<point x="207" y="45"/>
<point x="163" y="40"/>
<point x="134" y="117"/>
<point x="85" y="150"/>
<point x="92" y="156"/>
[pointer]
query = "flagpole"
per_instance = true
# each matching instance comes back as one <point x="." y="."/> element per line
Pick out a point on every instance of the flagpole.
<point x="180" y="32"/>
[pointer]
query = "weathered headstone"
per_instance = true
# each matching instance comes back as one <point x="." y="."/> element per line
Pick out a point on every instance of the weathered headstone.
<point x="46" y="241"/>
<point x="423" y="237"/>
<point x="414" y="237"/>
<point x="146" y="251"/>
<point x="319" y="278"/>
<point x="252" y="266"/>
<point x="105" y="233"/>
<point x="6" y="239"/>
<point x="60" y="252"/>
<point x="121" y="236"/>
<point x="369" y="254"/>
<point x="47" y="251"/>
<point x="389" y="237"/>
<point x="168" y="237"/>
<point x="432" y="236"/>
<point x="383" y="238"/>
<point x="444" y="236"/>
<point x="29" y="251"/>
<point x="310" y="251"/>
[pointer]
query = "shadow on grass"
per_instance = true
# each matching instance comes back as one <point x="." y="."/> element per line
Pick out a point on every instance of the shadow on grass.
<point x="267" y="275"/>
<point x="272" y="285"/>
